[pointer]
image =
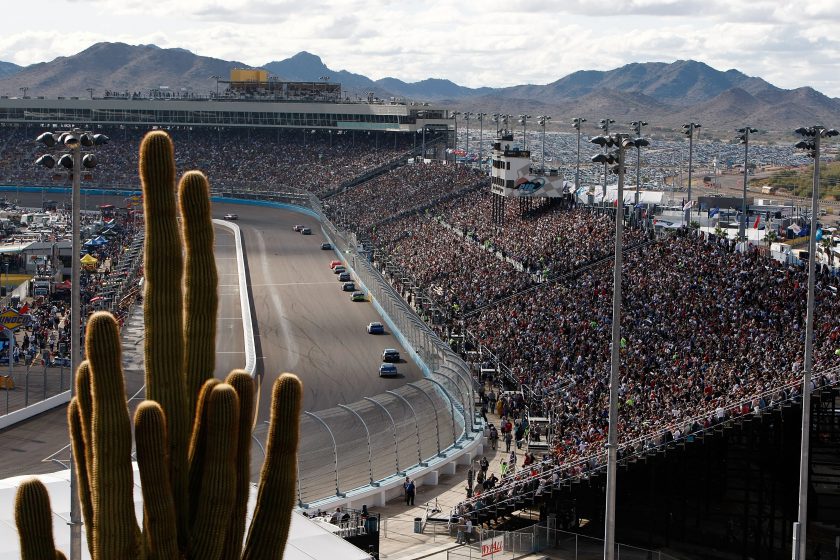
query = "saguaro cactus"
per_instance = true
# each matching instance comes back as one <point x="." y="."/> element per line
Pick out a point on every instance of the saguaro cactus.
<point x="193" y="433"/>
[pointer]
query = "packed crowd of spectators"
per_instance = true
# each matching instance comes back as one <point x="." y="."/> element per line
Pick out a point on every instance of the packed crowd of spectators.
<point x="233" y="158"/>
<point x="45" y="340"/>
<point x="707" y="334"/>
<point x="547" y="239"/>
<point x="456" y="273"/>
<point x="411" y="186"/>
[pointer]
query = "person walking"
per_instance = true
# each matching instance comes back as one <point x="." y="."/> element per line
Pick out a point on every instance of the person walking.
<point x="508" y="441"/>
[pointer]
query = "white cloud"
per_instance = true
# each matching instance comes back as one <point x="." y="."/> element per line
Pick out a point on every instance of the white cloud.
<point x="473" y="43"/>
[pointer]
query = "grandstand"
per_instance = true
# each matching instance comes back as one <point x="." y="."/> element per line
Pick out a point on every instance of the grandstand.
<point x="712" y="336"/>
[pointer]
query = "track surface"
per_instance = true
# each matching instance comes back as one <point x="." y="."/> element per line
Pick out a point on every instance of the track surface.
<point x="303" y="320"/>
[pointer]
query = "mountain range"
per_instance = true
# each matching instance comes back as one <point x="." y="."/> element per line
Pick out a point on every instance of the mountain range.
<point x="665" y="94"/>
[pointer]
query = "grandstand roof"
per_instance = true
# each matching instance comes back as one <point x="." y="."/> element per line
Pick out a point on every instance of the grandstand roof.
<point x="390" y="117"/>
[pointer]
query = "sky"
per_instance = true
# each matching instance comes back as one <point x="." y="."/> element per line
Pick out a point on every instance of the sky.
<point x="473" y="43"/>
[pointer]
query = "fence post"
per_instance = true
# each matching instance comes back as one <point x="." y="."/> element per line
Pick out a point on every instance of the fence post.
<point x="437" y="419"/>
<point x="335" y="450"/>
<point x="416" y="427"/>
<point x="26" y="390"/>
<point x="45" y="382"/>
<point x="394" y="425"/>
<point x="452" y="408"/>
<point x="370" y="458"/>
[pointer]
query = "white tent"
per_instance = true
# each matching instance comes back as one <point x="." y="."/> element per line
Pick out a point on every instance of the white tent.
<point x="307" y="539"/>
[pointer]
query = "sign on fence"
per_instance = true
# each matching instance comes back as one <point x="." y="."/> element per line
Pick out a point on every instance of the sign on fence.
<point x="489" y="547"/>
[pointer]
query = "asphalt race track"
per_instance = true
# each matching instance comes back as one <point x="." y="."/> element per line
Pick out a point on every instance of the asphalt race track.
<point x="304" y="323"/>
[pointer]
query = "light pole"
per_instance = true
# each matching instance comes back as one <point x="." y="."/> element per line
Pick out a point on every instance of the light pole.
<point x="480" y="117"/>
<point x="604" y="125"/>
<point x="744" y="139"/>
<point x="688" y="130"/>
<point x="24" y="89"/>
<point x="811" y="144"/>
<point x="523" y="120"/>
<point x="90" y="91"/>
<point x="422" y="115"/>
<point x="467" y="116"/>
<point x="637" y="128"/>
<point x="74" y="140"/>
<point x="543" y="120"/>
<point x="576" y="124"/>
<point x="454" y="115"/>
<point x="622" y="142"/>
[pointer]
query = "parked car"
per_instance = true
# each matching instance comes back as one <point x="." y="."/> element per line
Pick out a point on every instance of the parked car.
<point x="391" y="355"/>
<point x="387" y="370"/>
<point x="339" y="269"/>
<point x="298" y="227"/>
<point x="358" y="296"/>
<point x="231" y="217"/>
<point x="306" y="231"/>
<point x="375" y="328"/>
<point x="326" y="246"/>
<point x="349" y="287"/>
<point x="334" y="264"/>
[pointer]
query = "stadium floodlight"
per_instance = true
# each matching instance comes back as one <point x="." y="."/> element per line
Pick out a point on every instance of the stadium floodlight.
<point x="66" y="161"/>
<point x="814" y="133"/>
<point x="577" y="122"/>
<point x="688" y="130"/>
<point x="604" y="124"/>
<point x="637" y="128"/>
<point x="75" y="140"/>
<point x="46" y="160"/>
<point x="47" y="139"/>
<point x="744" y="138"/>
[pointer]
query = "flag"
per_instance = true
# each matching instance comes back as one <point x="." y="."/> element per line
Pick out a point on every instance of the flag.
<point x="24" y="310"/>
<point x="713" y="212"/>
<point x="795" y="229"/>
<point x="757" y="220"/>
<point x="688" y="205"/>
<point x="819" y="234"/>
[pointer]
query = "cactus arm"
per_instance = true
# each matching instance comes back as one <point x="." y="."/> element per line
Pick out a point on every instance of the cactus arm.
<point x="198" y="445"/>
<point x="162" y="311"/>
<point x="114" y="524"/>
<point x="244" y="386"/>
<point x="33" y="517"/>
<point x="218" y="486"/>
<point x="201" y="281"/>
<point x="81" y="458"/>
<point x="160" y="534"/>
<point x="275" y="498"/>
